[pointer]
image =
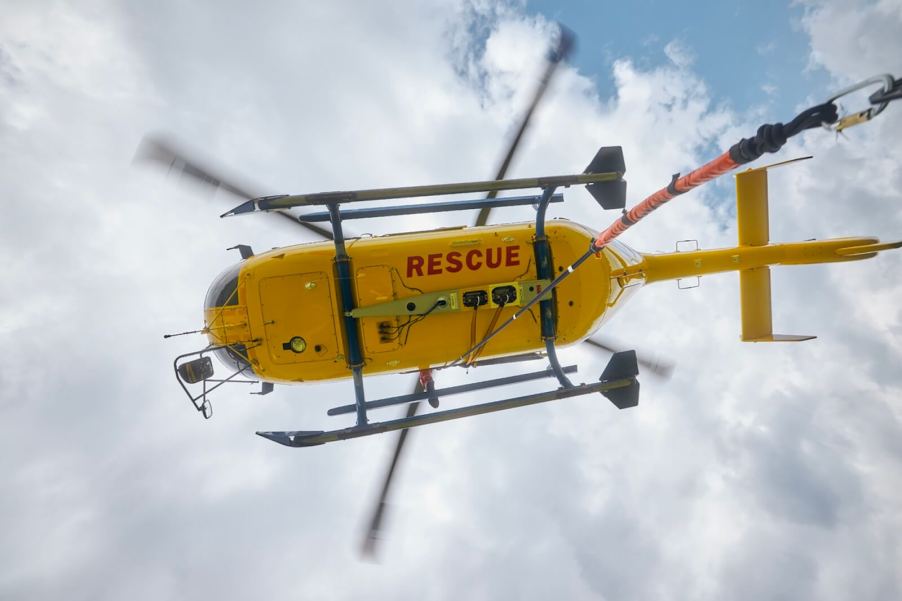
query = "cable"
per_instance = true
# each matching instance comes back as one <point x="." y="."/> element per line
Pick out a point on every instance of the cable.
<point x="472" y="331"/>
<point x="475" y="355"/>
<point x="393" y="333"/>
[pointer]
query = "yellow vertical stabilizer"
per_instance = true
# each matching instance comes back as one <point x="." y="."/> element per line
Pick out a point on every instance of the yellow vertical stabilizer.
<point x="753" y="227"/>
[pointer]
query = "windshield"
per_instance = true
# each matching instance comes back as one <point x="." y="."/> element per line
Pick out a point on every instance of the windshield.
<point x="233" y="357"/>
<point x="223" y="291"/>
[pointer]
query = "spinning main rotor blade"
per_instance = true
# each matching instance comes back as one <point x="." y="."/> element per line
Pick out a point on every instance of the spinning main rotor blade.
<point x="372" y="535"/>
<point x="559" y="53"/>
<point x="161" y="152"/>
<point x="659" y="367"/>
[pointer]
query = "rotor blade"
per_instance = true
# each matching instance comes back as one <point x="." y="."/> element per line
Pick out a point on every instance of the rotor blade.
<point x="158" y="150"/>
<point x="564" y="46"/>
<point x="658" y="366"/>
<point x="372" y="535"/>
<point x="316" y="229"/>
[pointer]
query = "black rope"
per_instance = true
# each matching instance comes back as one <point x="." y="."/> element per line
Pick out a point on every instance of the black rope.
<point x="772" y="136"/>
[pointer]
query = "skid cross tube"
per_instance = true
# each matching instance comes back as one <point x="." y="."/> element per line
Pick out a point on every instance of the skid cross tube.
<point x="286" y="201"/>
<point x="309" y="439"/>
<point x="434" y="207"/>
<point x="443" y="392"/>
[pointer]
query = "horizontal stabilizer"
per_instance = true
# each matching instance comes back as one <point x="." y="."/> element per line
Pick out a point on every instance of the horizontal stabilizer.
<point x="867" y="250"/>
<point x="622" y="366"/>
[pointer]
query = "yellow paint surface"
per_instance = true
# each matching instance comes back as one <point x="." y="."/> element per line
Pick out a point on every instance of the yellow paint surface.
<point x="291" y="292"/>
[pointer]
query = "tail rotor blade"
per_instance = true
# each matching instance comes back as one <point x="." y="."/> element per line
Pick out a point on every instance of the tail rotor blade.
<point x="318" y="230"/>
<point x="564" y="47"/>
<point x="658" y="366"/>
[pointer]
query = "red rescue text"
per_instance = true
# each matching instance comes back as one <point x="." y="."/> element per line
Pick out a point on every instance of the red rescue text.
<point x="455" y="261"/>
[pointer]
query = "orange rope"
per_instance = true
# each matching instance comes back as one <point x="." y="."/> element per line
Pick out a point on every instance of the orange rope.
<point x="711" y="170"/>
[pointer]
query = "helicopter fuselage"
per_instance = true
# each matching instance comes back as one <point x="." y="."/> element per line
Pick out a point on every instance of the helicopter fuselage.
<point x="422" y="300"/>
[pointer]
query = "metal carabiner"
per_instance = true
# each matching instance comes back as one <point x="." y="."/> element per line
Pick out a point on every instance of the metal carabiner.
<point x="869" y="113"/>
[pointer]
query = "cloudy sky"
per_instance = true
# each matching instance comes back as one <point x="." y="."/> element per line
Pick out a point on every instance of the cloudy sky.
<point x="756" y="472"/>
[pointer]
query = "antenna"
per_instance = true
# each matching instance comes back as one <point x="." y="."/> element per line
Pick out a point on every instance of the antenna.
<point x="203" y="331"/>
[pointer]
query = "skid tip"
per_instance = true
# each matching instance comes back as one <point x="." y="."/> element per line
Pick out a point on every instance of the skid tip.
<point x="279" y="437"/>
<point x="293" y="439"/>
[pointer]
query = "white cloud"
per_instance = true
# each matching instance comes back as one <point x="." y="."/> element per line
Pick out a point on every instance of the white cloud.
<point x="854" y="40"/>
<point x="782" y="457"/>
<point x="679" y="54"/>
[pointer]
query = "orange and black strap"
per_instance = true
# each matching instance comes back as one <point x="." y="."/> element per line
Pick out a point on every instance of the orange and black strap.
<point x="770" y="137"/>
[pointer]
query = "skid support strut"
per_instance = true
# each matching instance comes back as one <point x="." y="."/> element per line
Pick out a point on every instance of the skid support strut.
<point x="346" y="293"/>
<point x="545" y="271"/>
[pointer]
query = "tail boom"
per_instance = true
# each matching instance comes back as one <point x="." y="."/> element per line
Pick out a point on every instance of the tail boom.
<point x="753" y="257"/>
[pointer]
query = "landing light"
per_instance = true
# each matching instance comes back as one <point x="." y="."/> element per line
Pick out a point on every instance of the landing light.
<point x="297" y="344"/>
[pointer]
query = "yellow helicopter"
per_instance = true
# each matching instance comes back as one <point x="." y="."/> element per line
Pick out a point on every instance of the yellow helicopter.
<point x="463" y="296"/>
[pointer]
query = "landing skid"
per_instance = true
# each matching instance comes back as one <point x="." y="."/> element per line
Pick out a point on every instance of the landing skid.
<point x="618" y="383"/>
<point x="443" y="392"/>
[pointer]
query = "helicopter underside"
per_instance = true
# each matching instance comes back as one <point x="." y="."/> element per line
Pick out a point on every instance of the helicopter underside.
<point x="422" y="300"/>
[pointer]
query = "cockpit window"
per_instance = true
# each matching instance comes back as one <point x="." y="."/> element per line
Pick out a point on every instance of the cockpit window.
<point x="223" y="291"/>
<point x="233" y="357"/>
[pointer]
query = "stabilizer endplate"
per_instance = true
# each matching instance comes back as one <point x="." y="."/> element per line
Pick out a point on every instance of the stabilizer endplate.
<point x="608" y="159"/>
<point x="782" y="338"/>
<point x="610" y="195"/>
<point x="623" y="365"/>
